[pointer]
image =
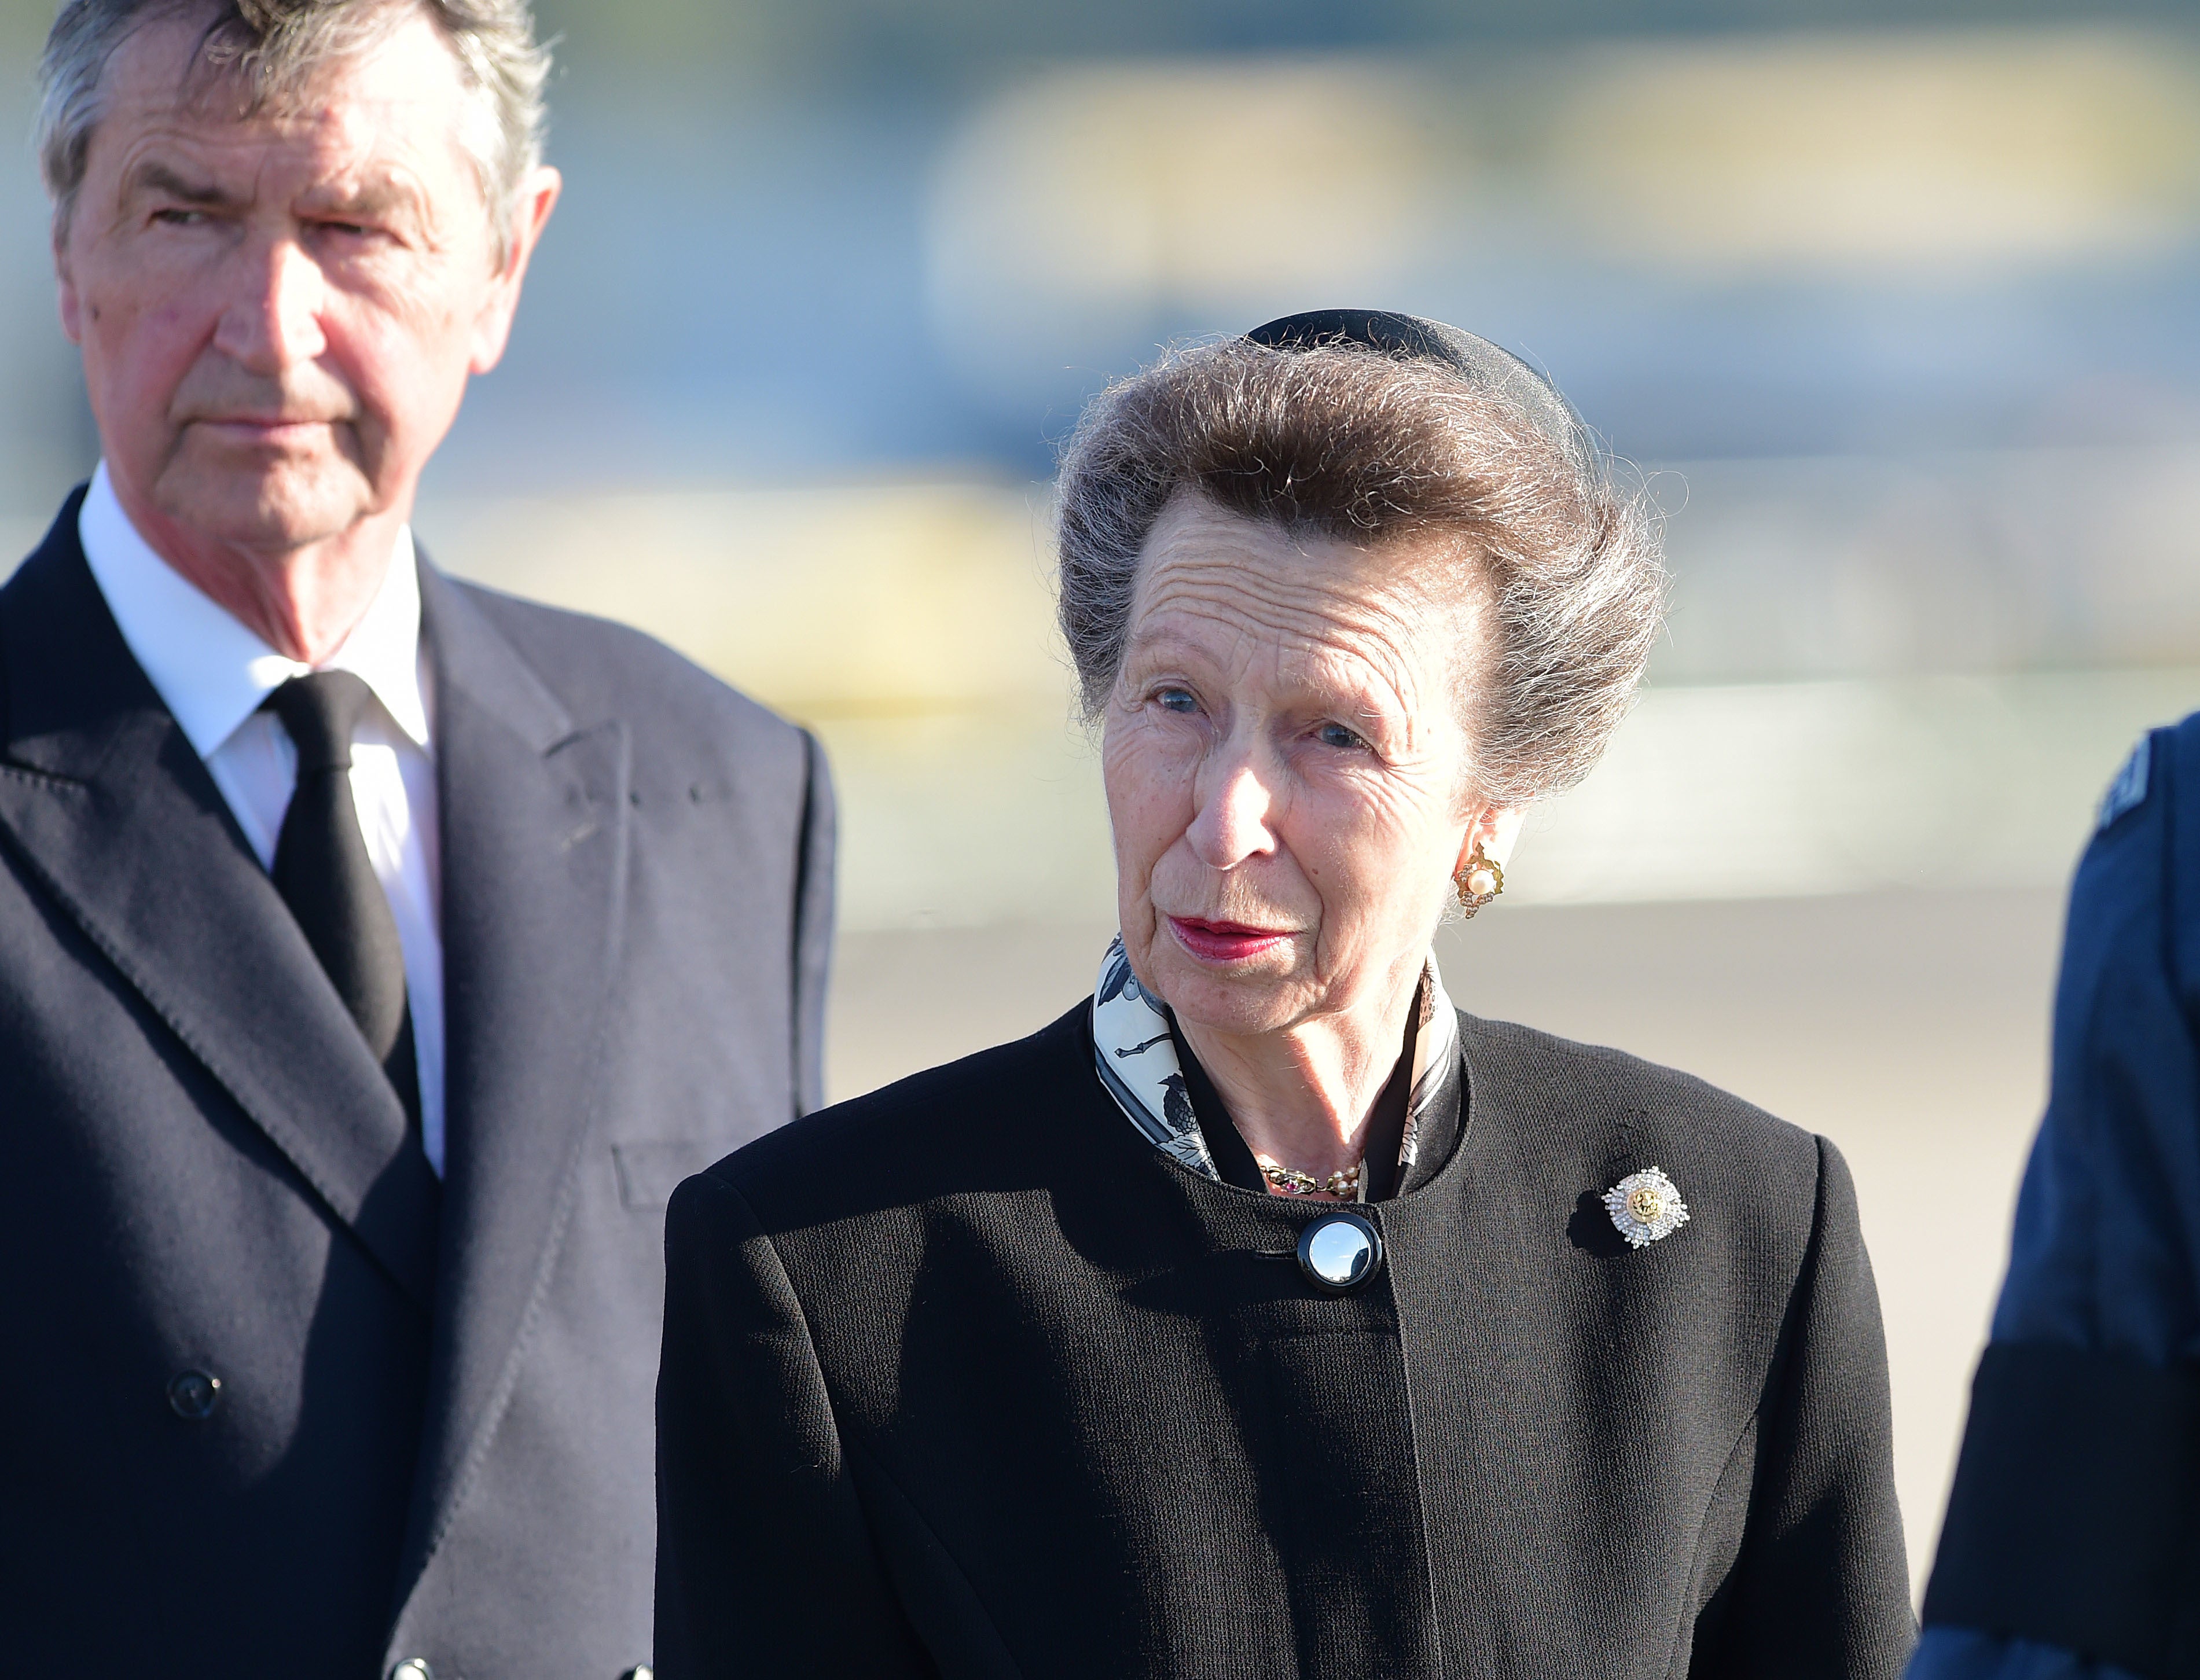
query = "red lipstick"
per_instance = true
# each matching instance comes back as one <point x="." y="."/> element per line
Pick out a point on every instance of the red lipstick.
<point x="1223" y="941"/>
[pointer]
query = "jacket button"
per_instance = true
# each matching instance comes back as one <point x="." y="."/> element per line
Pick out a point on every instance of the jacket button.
<point x="193" y="1394"/>
<point x="413" y="1668"/>
<point x="1340" y="1253"/>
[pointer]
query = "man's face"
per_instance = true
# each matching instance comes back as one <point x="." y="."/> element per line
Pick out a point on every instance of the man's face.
<point x="279" y="314"/>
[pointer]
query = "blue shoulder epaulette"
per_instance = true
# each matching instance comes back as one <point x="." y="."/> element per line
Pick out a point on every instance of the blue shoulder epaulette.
<point x="2129" y="790"/>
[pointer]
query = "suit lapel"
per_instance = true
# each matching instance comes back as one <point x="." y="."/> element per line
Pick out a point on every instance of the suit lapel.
<point x="108" y="806"/>
<point x="533" y="865"/>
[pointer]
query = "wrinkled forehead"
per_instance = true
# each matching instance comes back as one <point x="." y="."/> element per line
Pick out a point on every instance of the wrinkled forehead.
<point x="1199" y="550"/>
<point x="393" y="92"/>
<point x="387" y="69"/>
<point x="1232" y="585"/>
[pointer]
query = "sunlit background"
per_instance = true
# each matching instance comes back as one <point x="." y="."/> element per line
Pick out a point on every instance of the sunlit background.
<point x="1897" y="308"/>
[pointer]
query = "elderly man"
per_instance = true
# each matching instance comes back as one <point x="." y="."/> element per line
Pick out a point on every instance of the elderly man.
<point x="376" y="952"/>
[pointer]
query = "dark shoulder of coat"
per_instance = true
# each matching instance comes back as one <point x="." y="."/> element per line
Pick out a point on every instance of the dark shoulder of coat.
<point x="1558" y="1081"/>
<point x="1584" y="1112"/>
<point x="598" y="669"/>
<point x="966" y="1127"/>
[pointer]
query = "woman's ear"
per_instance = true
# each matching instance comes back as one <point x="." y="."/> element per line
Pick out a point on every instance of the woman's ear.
<point x="1494" y="829"/>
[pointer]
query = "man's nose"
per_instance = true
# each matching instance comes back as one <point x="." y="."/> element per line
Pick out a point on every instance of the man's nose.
<point x="1237" y="802"/>
<point x="273" y="321"/>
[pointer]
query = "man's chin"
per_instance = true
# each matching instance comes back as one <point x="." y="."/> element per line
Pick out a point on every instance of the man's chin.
<point x="267" y="510"/>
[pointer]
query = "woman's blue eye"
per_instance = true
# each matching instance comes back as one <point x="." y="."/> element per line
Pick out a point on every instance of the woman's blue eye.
<point x="1177" y="699"/>
<point x="1336" y="735"/>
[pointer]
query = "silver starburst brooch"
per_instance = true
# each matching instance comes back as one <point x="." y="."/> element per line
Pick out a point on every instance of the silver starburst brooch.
<point x="1646" y="1206"/>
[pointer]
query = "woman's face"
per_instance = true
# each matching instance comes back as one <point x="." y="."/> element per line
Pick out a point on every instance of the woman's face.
<point x="1284" y="766"/>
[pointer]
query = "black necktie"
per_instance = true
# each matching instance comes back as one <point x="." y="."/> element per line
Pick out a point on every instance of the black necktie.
<point x="323" y="874"/>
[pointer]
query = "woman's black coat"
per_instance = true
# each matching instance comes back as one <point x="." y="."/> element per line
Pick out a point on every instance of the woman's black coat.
<point x="964" y="1378"/>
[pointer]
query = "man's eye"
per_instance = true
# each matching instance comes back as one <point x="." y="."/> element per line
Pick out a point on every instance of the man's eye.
<point x="1336" y="735"/>
<point x="178" y="218"/>
<point x="1177" y="699"/>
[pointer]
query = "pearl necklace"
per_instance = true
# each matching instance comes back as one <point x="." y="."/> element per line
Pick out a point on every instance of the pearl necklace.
<point x="1344" y="1185"/>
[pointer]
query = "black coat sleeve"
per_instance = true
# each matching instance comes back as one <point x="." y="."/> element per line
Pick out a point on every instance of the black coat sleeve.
<point x="1821" y="1586"/>
<point x="764" y="1564"/>
<point x="813" y="928"/>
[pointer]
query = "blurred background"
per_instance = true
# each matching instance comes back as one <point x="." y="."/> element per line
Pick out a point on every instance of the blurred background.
<point x="1896" y="307"/>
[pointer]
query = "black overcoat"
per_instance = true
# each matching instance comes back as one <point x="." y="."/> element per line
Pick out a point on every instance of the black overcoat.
<point x="433" y="1433"/>
<point x="965" y="1378"/>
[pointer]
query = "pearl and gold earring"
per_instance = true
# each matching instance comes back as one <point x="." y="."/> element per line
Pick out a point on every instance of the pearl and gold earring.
<point x="1479" y="880"/>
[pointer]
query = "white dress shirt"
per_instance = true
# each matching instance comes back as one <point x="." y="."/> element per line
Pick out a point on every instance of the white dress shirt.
<point x="213" y="673"/>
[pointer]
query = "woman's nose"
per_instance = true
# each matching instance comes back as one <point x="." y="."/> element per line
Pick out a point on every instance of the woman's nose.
<point x="1235" y="806"/>
<point x="273" y="321"/>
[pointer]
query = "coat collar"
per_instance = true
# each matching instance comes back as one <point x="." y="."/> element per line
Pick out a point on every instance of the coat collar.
<point x="534" y="805"/>
<point x="108" y="804"/>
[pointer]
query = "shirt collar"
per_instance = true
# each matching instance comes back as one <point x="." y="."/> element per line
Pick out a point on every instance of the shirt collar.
<point x="211" y="672"/>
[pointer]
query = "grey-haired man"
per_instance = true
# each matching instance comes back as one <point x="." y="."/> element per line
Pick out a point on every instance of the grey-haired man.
<point x="375" y="952"/>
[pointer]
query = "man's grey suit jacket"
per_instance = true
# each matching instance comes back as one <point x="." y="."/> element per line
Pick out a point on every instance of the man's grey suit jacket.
<point x="433" y="1434"/>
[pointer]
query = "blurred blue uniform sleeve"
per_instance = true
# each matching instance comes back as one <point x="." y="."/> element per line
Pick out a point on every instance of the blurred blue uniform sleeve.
<point x="1958" y="1654"/>
<point x="2103" y="1281"/>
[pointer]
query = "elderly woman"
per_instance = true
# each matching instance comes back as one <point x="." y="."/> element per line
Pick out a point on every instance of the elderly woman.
<point x="1264" y="1315"/>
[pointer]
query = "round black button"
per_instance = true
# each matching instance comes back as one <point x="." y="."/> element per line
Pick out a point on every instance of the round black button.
<point x="1340" y="1252"/>
<point x="193" y="1394"/>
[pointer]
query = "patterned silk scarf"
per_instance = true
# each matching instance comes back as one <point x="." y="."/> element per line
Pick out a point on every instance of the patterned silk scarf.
<point x="1136" y="1059"/>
